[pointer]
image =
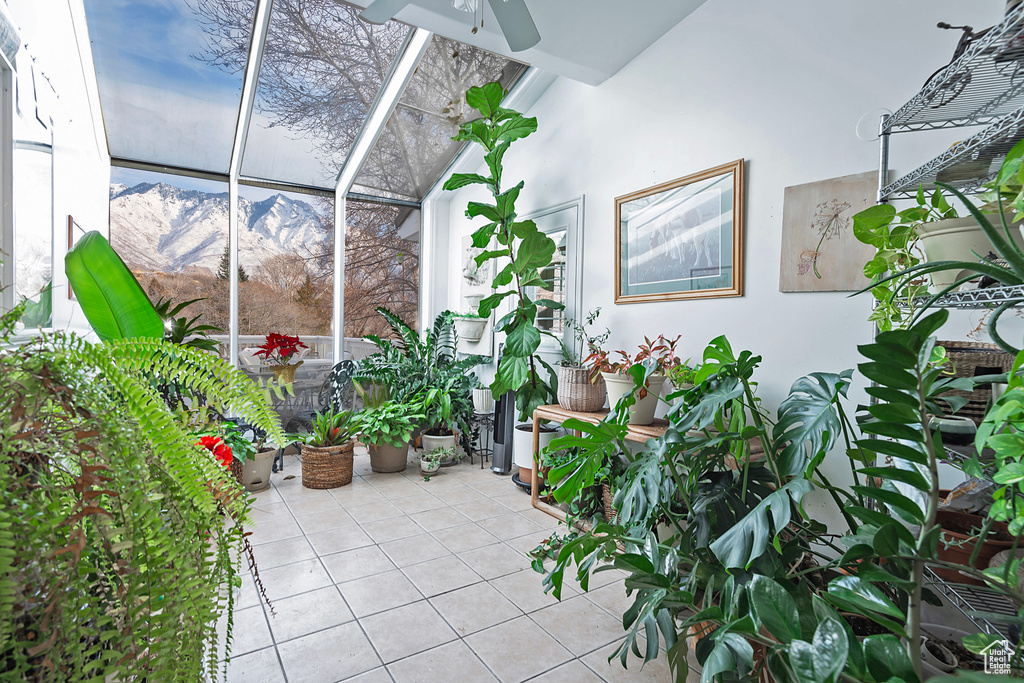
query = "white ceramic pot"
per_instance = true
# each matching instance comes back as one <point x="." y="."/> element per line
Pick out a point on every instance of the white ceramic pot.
<point x="256" y="471"/>
<point x="473" y="301"/>
<point x="430" y="443"/>
<point x="483" y="400"/>
<point x="429" y="468"/>
<point x="667" y="389"/>
<point x="959" y="239"/>
<point x="470" y="329"/>
<point x="641" y="412"/>
<point x="522" y="444"/>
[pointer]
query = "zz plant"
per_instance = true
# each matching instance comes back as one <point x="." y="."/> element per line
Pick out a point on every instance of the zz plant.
<point x="519" y="249"/>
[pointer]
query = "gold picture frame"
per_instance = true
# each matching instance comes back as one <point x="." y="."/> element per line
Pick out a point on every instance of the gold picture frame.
<point x="682" y="239"/>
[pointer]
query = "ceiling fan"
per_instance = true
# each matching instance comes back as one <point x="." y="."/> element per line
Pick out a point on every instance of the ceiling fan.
<point x="513" y="18"/>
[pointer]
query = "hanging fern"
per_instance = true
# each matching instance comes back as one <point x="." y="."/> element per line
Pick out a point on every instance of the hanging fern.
<point x="115" y="559"/>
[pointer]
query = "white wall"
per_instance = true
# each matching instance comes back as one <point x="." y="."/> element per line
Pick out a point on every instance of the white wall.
<point x="781" y="85"/>
<point x="53" y="39"/>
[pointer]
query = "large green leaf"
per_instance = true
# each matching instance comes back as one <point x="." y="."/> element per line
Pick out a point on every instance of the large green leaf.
<point x="534" y="252"/>
<point x="748" y="539"/>
<point x="864" y="595"/>
<point x="774" y="607"/>
<point x="111" y="298"/>
<point x="459" y="180"/>
<point x="808" y="417"/>
<point x="887" y="659"/>
<point x="821" y="660"/>
<point x="522" y="340"/>
<point x="486" y="99"/>
<point x="515" y="127"/>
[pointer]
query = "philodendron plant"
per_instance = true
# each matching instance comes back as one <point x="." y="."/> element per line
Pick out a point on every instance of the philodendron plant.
<point x="712" y="531"/>
<point x="519" y="249"/>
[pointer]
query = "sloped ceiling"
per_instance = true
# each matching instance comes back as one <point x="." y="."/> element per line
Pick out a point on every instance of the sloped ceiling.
<point x="585" y="40"/>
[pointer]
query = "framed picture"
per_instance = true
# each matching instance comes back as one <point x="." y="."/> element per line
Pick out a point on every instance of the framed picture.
<point x="819" y="251"/>
<point x="682" y="239"/>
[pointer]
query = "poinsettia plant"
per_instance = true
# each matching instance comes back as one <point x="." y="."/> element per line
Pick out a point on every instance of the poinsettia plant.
<point x="221" y="451"/>
<point x="279" y="348"/>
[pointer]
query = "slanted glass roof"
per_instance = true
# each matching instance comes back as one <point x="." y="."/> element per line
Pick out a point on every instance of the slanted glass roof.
<point x="322" y="69"/>
<point x="171" y="85"/>
<point x="166" y="100"/>
<point x="416" y="146"/>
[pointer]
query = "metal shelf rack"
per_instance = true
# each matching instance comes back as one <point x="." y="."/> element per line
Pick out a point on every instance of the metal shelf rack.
<point x="985" y="83"/>
<point x="989" y="297"/>
<point x="984" y="86"/>
<point x="981" y="606"/>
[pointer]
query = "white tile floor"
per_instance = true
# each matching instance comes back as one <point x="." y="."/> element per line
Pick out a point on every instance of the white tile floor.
<point x="393" y="578"/>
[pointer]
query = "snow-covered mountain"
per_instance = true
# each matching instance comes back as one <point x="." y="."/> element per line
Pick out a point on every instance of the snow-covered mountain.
<point x="164" y="228"/>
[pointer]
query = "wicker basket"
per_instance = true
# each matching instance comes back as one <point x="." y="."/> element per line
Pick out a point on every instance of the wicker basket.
<point x="236" y="470"/>
<point x="576" y="392"/>
<point x="606" y="496"/>
<point x="327" y="468"/>
<point x="971" y="359"/>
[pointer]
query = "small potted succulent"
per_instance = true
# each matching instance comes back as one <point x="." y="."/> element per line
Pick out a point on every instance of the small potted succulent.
<point x="659" y="354"/>
<point x="580" y="386"/>
<point x="387" y="429"/>
<point x="327" y="455"/>
<point x="277" y="352"/>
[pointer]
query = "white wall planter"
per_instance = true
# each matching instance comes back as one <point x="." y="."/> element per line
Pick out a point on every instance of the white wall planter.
<point x="954" y="239"/>
<point x="642" y="412"/>
<point x="470" y="329"/>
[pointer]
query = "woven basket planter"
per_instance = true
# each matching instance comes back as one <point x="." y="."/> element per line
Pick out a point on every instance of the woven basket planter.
<point x="575" y="391"/>
<point x="327" y="468"/>
<point x="971" y="359"/>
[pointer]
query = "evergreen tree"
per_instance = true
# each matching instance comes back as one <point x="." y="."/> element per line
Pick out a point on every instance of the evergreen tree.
<point x="225" y="264"/>
<point x="306" y="293"/>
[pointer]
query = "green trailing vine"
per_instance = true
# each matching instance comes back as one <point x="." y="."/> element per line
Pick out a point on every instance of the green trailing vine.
<point x="519" y="249"/>
<point x="115" y="558"/>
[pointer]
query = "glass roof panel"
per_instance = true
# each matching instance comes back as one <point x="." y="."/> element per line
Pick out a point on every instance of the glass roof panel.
<point x="169" y="77"/>
<point x="322" y="68"/>
<point x="416" y="147"/>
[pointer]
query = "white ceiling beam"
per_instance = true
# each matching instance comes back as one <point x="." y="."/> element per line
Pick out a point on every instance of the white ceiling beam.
<point x="387" y="99"/>
<point x="261" y="25"/>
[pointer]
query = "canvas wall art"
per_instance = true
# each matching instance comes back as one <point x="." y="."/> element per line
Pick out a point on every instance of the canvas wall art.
<point x="682" y="239"/>
<point x="819" y="251"/>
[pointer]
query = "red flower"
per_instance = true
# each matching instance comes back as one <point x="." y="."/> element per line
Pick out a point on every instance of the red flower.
<point x="282" y="345"/>
<point x="220" y="450"/>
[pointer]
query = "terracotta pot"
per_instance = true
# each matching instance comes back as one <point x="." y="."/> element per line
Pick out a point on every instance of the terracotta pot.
<point x="256" y="471"/>
<point x="641" y="412"/>
<point x="961" y="553"/>
<point x="388" y="458"/>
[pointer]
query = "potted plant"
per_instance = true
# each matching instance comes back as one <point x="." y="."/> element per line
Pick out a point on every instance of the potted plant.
<point x="521" y="251"/>
<point x="658" y="357"/>
<point x="277" y="352"/>
<point x="327" y="454"/>
<point x="470" y="326"/>
<point x="387" y="429"/>
<point x="582" y="388"/>
<point x="431" y="461"/>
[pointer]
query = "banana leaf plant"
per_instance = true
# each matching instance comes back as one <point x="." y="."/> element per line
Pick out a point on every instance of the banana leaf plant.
<point x="717" y="545"/>
<point x="111" y="298"/>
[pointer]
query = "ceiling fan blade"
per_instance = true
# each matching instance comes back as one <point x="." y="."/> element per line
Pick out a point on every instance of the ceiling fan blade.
<point x="381" y="11"/>
<point x="516" y="23"/>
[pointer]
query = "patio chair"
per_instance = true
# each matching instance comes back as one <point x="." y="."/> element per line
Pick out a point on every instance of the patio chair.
<point x="337" y="391"/>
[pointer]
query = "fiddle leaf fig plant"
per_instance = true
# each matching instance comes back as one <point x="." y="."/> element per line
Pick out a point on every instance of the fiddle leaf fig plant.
<point x="518" y="248"/>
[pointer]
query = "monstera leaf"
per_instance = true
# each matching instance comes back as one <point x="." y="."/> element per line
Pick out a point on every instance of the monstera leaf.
<point x="111" y="298"/>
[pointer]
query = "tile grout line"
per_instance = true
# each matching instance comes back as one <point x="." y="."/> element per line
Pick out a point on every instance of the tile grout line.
<point x="374" y="543"/>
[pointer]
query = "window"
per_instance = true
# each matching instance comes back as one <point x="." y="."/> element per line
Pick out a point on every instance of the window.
<point x="382" y="251"/>
<point x="172" y="232"/>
